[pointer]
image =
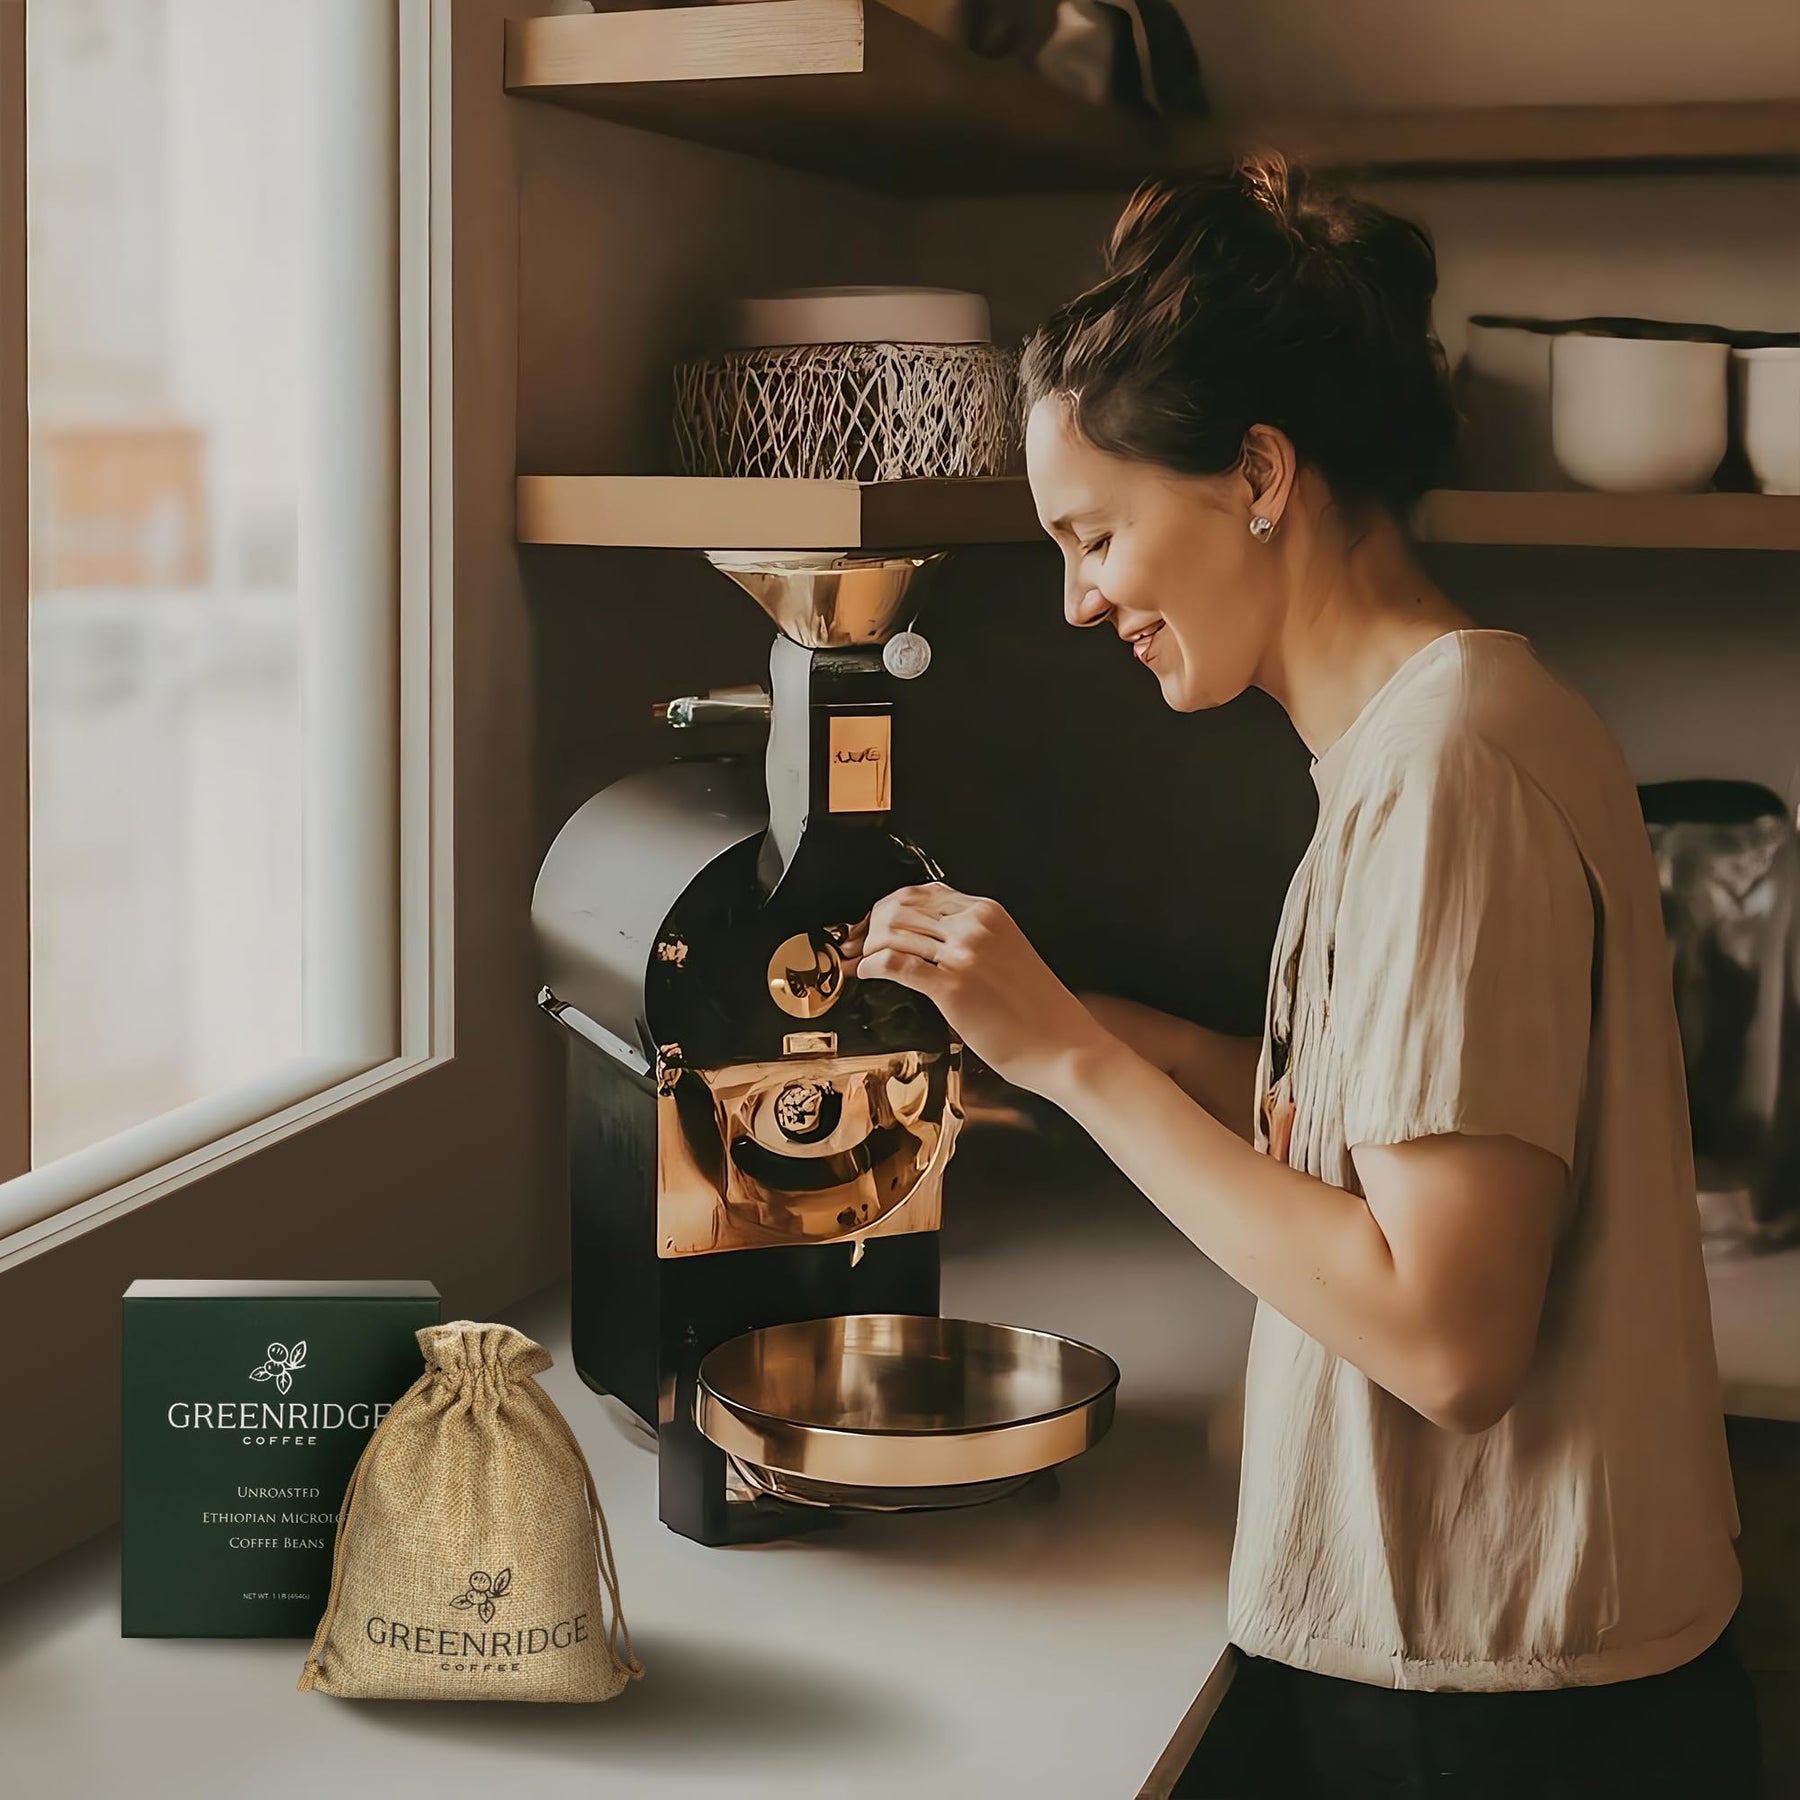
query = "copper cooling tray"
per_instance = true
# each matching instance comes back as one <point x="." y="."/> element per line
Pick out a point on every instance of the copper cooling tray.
<point x="890" y="1411"/>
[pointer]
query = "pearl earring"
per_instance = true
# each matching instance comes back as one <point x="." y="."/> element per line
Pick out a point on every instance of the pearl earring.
<point x="1261" y="528"/>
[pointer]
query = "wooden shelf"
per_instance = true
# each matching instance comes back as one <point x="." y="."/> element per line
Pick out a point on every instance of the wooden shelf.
<point x="1514" y="139"/>
<point x="1612" y="521"/>
<point x="698" y="513"/>
<point x="853" y="89"/>
<point x="703" y="513"/>
<point x="836" y="87"/>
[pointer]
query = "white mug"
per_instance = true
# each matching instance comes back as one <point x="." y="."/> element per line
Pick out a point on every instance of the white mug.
<point x="1638" y="415"/>
<point x="1770" y="390"/>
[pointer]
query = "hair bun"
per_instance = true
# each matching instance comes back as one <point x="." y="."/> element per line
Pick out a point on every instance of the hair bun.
<point x="1267" y="179"/>
<point x="1251" y="294"/>
<point x="1390" y="256"/>
<point x="1316" y="218"/>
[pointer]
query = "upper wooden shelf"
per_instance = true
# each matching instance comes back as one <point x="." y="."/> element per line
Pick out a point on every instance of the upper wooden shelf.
<point x="836" y="87"/>
<point x="1515" y="139"/>
<point x="701" y="513"/>
<point x="853" y="89"/>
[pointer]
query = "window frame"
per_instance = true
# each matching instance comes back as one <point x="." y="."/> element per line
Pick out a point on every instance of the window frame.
<point x="376" y="909"/>
<point x="15" y="600"/>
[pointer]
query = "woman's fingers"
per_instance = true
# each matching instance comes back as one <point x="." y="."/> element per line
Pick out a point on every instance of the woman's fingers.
<point x="917" y="919"/>
<point x="932" y="900"/>
<point x="903" y="966"/>
<point x="902" y="938"/>
<point x="912" y="907"/>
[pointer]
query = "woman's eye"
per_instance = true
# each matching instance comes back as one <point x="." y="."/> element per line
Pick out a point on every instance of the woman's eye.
<point x="1097" y="545"/>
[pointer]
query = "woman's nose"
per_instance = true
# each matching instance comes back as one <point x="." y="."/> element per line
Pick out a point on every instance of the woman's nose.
<point x="1085" y="606"/>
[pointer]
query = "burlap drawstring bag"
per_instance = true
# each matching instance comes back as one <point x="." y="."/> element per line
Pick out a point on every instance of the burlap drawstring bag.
<point x="472" y="1546"/>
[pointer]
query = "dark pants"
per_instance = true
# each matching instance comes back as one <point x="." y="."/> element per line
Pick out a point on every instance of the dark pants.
<point x="1289" y="1734"/>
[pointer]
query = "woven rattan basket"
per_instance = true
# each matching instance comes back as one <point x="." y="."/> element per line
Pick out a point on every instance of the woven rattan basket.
<point x="849" y="412"/>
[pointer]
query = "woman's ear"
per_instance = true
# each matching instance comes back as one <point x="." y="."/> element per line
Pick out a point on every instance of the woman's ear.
<point x="1267" y="464"/>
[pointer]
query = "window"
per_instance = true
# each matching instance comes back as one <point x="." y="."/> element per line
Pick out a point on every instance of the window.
<point x="200" y="652"/>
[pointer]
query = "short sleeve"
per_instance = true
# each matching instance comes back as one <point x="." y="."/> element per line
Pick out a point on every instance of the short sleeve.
<point x="1462" y="964"/>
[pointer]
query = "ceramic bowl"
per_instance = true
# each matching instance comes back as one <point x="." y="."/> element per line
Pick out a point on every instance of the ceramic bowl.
<point x="861" y="315"/>
<point x="1638" y="415"/>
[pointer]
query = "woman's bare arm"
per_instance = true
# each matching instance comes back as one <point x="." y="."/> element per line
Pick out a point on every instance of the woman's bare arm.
<point x="1432" y="1286"/>
<point x="1210" y="1066"/>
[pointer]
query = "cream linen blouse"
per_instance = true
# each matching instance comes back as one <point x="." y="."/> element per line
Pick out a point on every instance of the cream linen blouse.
<point x="1473" y="943"/>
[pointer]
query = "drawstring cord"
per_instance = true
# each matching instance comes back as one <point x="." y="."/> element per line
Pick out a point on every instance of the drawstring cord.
<point x="603" y="1550"/>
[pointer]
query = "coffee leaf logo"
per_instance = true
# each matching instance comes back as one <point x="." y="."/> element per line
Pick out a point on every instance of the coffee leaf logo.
<point x="281" y="1366"/>
<point x="483" y="1590"/>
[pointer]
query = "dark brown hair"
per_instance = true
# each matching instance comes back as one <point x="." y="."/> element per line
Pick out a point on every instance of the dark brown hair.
<point x="1248" y="297"/>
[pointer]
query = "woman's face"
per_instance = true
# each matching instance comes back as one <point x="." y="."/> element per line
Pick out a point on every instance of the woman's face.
<point x="1166" y="559"/>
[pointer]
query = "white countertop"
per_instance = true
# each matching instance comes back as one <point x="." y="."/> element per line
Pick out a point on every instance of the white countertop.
<point x="1025" y="1650"/>
<point x="1033" y="1649"/>
<point x="1756" y="1330"/>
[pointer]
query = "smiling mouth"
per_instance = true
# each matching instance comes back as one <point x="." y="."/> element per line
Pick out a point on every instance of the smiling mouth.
<point x="1141" y="641"/>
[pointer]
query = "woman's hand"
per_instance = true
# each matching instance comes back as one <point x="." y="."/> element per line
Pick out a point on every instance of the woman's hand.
<point x="966" y="954"/>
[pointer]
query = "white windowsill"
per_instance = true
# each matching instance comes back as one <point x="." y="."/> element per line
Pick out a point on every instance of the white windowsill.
<point x="87" y="1187"/>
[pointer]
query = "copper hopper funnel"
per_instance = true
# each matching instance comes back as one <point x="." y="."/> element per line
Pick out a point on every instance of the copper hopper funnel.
<point x="827" y="599"/>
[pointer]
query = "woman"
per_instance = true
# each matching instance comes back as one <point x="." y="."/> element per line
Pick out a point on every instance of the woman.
<point x="1485" y="1518"/>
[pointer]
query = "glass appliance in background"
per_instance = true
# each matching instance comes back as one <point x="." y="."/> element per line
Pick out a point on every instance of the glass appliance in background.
<point x="1729" y="864"/>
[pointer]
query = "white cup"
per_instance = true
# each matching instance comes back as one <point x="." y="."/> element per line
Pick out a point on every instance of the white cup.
<point x="1638" y="415"/>
<point x="1769" y="389"/>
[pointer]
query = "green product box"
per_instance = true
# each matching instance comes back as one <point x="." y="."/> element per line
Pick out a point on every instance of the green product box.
<point x="245" y="1407"/>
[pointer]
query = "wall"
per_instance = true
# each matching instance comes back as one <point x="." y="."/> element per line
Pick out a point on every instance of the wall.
<point x="1422" y="53"/>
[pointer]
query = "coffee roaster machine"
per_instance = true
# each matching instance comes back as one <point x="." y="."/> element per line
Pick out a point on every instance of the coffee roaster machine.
<point x="758" y="1140"/>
